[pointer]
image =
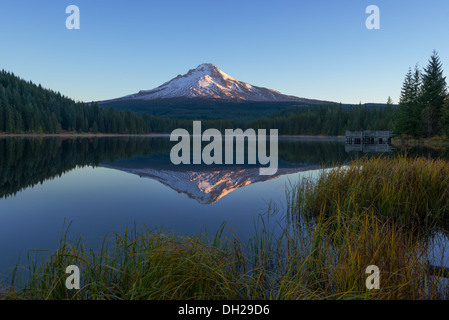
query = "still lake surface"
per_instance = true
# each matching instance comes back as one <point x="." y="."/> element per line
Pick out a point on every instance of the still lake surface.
<point x="104" y="185"/>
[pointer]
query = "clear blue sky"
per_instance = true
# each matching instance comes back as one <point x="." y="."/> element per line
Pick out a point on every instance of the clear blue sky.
<point x="315" y="49"/>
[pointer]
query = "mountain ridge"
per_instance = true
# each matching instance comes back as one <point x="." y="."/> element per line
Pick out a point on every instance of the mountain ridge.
<point x="207" y="81"/>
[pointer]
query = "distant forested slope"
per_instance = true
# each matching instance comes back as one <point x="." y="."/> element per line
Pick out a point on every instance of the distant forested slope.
<point x="330" y="120"/>
<point x="29" y="108"/>
<point x="199" y="108"/>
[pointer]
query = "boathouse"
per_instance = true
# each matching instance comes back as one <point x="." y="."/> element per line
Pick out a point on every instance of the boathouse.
<point x="368" y="141"/>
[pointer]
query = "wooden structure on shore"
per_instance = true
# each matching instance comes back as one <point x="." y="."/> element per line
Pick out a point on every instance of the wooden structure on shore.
<point x="368" y="141"/>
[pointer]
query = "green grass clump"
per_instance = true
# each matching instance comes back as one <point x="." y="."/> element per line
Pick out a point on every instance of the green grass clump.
<point x="135" y="265"/>
<point x="410" y="190"/>
<point x="346" y="246"/>
<point x="321" y="259"/>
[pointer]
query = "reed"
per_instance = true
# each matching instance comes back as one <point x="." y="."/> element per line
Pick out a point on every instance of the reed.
<point x="382" y="211"/>
<point x="409" y="190"/>
<point x="330" y="264"/>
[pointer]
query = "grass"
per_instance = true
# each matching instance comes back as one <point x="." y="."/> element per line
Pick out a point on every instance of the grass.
<point x="374" y="212"/>
<point x="408" y="190"/>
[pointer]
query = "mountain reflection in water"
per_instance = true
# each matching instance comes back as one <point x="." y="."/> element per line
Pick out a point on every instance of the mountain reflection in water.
<point x="25" y="162"/>
<point x="208" y="185"/>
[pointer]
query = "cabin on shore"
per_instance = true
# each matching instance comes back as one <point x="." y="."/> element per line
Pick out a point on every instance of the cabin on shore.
<point x="368" y="141"/>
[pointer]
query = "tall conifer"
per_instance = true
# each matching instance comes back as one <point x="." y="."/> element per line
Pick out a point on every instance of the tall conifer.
<point x="432" y="94"/>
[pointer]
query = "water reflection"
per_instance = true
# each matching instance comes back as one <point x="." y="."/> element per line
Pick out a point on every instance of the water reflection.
<point x="25" y="162"/>
<point x="207" y="186"/>
<point x="368" y="148"/>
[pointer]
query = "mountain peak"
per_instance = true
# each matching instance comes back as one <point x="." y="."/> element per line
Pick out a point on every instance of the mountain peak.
<point x="207" y="65"/>
<point x="207" y="81"/>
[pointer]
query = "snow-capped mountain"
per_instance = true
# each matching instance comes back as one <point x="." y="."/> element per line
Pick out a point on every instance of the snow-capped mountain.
<point x="208" y="186"/>
<point x="209" y="82"/>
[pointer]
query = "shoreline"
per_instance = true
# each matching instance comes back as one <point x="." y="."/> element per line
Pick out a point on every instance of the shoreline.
<point x="112" y="135"/>
<point x="397" y="141"/>
<point x="423" y="142"/>
<point x="78" y="135"/>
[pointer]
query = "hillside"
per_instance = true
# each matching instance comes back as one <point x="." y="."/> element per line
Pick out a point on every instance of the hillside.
<point x="204" y="109"/>
<point x="29" y="108"/>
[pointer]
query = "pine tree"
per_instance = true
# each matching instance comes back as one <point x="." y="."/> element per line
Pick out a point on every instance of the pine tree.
<point x="1" y="118"/>
<point x="95" y="127"/>
<point x="9" y="120"/>
<point x="389" y="102"/>
<point x="444" y="123"/>
<point x="408" y="117"/>
<point x="432" y="94"/>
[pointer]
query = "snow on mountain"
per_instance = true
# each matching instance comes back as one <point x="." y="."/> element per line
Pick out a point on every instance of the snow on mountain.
<point x="208" y="186"/>
<point x="209" y="82"/>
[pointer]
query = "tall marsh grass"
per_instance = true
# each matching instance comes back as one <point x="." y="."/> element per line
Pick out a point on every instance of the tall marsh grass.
<point x="409" y="190"/>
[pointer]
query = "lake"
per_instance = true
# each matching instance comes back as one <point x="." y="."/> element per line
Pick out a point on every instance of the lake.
<point x="104" y="185"/>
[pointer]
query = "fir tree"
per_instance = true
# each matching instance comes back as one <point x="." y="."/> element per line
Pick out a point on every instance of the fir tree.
<point x="432" y="94"/>
<point x="389" y="102"/>
<point x="408" y="116"/>
<point x="444" y="123"/>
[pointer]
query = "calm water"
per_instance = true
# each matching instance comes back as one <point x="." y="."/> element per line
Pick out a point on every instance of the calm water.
<point x="104" y="185"/>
